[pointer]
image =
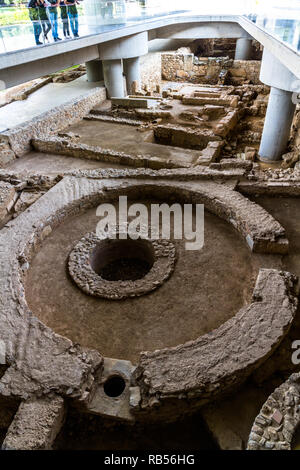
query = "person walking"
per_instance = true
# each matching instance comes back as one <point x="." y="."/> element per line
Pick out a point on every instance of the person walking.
<point x="53" y="18"/>
<point x="110" y="9"/>
<point x="34" y="17"/>
<point x="103" y="8"/>
<point x="73" y="16"/>
<point x="43" y="15"/>
<point x="65" y="19"/>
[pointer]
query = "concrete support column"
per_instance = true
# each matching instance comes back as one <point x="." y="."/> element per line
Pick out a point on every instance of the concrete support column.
<point x="94" y="70"/>
<point x="112" y="53"/>
<point x="113" y="78"/>
<point x="281" y="109"/>
<point x="277" y="125"/>
<point x="132" y="72"/>
<point x="243" y="49"/>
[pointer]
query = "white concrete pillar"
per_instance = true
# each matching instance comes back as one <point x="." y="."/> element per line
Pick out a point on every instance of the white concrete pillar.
<point x="243" y="49"/>
<point x="113" y="78"/>
<point x="277" y="125"/>
<point x="132" y="72"/>
<point x="112" y="53"/>
<point x="94" y="70"/>
<point x="281" y="108"/>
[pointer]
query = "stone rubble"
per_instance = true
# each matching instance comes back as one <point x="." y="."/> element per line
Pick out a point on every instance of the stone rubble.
<point x="279" y="418"/>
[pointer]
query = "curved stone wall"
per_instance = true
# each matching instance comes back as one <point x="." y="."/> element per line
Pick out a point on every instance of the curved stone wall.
<point x="92" y="283"/>
<point x="204" y="368"/>
<point x="279" y="418"/>
<point x="41" y="362"/>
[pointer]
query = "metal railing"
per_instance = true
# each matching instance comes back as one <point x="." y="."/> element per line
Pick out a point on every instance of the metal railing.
<point x="281" y="20"/>
<point x="22" y="27"/>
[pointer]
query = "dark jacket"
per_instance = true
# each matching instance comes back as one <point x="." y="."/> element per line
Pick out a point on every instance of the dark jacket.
<point x="32" y="4"/>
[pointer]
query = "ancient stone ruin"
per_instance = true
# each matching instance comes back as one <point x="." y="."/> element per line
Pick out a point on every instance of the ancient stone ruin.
<point x="107" y="343"/>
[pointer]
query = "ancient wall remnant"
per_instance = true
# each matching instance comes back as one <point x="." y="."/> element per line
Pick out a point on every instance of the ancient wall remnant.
<point x="73" y="371"/>
<point x="53" y="121"/>
<point x="150" y="71"/>
<point x="222" y="47"/>
<point x="201" y="368"/>
<point x="279" y="418"/>
<point x="189" y="68"/>
<point x="212" y="133"/>
<point x="36" y="424"/>
<point x="96" y="260"/>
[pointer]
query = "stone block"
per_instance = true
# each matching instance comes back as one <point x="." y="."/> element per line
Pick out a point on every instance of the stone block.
<point x="35" y="425"/>
<point x="7" y="198"/>
<point x="130" y="102"/>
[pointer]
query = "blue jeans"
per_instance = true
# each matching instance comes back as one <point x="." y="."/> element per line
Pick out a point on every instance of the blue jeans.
<point x="53" y="21"/>
<point x="73" y="22"/>
<point x="37" y="29"/>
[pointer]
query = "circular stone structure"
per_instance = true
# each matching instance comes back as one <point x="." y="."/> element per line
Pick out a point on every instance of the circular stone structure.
<point x="181" y="370"/>
<point x="113" y="268"/>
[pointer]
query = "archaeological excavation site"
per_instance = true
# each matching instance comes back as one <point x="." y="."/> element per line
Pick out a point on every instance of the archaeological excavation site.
<point x="153" y="340"/>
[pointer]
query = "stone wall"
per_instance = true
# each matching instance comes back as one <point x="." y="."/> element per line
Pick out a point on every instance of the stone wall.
<point x="151" y="70"/>
<point x="200" y="368"/>
<point x="189" y="68"/>
<point x="291" y="159"/>
<point x="67" y="147"/>
<point x="295" y="137"/>
<point x="279" y="418"/>
<point x="243" y="70"/>
<point x="18" y="139"/>
<point x="222" y="47"/>
<point x="215" y="47"/>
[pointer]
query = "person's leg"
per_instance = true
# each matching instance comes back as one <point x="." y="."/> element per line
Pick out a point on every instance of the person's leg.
<point x="76" y="24"/>
<point x="33" y="15"/>
<point x="48" y="25"/>
<point x="37" y="31"/>
<point x="64" y="27"/>
<point x="74" y="28"/>
<point x="71" y="22"/>
<point x="55" y="25"/>
<point x="44" y="27"/>
<point x="67" y="26"/>
<point x="52" y="21"/>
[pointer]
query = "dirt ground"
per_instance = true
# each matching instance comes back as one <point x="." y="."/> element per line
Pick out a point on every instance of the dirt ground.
<point x="47" y="163"/>
<point x="87" y="432"/>
<point x="207" y="288"/>
<point x="128" y="139"/>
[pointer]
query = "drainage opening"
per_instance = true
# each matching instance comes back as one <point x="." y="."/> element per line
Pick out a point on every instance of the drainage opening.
<point x="122" y="260"/>
<point x="114" y="386"/>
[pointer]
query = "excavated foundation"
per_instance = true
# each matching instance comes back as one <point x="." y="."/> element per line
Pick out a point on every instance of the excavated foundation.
<point x="132" y="337"/>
